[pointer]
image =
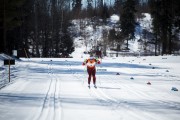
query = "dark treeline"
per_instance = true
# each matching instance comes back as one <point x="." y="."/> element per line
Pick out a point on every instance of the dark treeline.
<point x="36" y="28"/>
<point x="39" y="28"/>
<point x="166" y="24"/>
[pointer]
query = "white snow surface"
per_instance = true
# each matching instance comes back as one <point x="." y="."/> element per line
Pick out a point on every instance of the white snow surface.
<point x="114" y="18"/>
<point x="146" y="22"/>
<point x="56" y="89"/>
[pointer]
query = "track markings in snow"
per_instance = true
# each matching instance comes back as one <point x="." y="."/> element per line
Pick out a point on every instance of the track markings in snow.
<point x="51" y="108"/>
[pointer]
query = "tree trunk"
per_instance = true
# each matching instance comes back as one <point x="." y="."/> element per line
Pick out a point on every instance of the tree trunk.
<point x="156" y="41"/>
<point x="118" y="49"/>
<point x="170" y="40"/>
<point x="104" y="50"/>
<point x="36" y="30"/>
<point x="127" y="44"/>
<point x="4" y="28"/>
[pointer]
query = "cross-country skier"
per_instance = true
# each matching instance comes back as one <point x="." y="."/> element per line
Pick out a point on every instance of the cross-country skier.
<point x="91" y="69"/>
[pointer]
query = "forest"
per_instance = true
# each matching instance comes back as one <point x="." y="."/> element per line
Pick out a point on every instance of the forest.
<point x="41" y="28"/>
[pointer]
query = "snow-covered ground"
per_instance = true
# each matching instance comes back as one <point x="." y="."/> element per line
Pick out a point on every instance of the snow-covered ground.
<point x="56" y="89"/>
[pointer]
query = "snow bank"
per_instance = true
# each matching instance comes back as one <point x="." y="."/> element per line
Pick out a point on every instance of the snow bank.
<point x="114" y="18"/>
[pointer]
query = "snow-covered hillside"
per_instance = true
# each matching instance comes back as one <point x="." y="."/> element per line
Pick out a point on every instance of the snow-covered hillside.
<point x="87" y="34"/>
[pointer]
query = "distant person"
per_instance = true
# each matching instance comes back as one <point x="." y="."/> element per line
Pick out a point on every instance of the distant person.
<point x="98" y="54"/>
<point x="91" y="69"/>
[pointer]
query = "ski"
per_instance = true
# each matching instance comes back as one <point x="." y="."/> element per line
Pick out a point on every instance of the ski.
<point x="94" y="87"/>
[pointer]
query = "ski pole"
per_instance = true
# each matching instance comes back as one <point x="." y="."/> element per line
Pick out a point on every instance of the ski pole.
<point x="84" y="74"/>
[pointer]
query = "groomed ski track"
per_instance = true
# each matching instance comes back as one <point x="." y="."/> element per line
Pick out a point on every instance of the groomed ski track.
<point x="57" y="90"/>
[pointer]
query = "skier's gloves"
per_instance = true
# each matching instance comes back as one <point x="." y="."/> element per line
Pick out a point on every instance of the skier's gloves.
<point x="83" y="64"/>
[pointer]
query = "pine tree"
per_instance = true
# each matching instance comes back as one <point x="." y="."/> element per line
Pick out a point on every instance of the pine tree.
<point x="118" y="6"/>
<point x="9" y="20"/>
<point x="99" y="9"/>
<point x="127" y="20"/>
<point x="105" y="13"/>
<point x="164" y="22"/>
<point x="76" y="8"/>
<point x="90" y="8"/>
<point x="176" y="14"/>
<point x="66" y="46"/>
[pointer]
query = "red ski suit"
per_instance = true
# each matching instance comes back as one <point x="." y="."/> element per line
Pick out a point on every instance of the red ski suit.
<point x="91" y="68"/>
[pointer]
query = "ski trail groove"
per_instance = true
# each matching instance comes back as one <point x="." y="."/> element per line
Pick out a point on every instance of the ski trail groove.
<point x="51" y="109"/>
<point x="139" y="93"/>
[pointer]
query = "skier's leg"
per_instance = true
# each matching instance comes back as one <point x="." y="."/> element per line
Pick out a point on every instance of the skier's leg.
<point x="94" y="76"/>
<point x="89" y="77"/>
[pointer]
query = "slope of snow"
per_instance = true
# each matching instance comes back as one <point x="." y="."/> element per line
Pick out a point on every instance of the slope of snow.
<point x="53" y="89"/>
<point x="92" y="34"/>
